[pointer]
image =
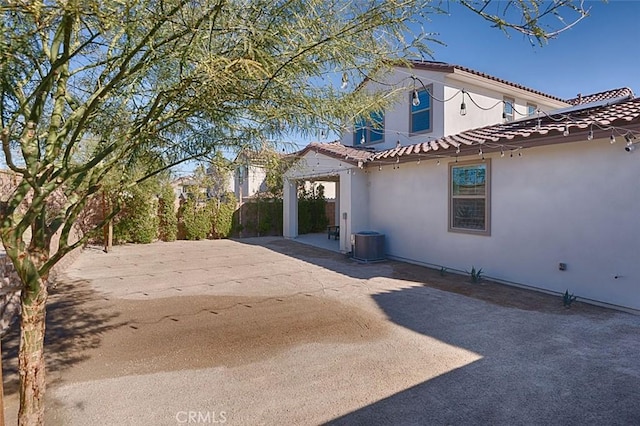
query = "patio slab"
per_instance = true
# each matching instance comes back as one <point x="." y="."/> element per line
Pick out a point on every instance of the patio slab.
<point x="270" y="331"/>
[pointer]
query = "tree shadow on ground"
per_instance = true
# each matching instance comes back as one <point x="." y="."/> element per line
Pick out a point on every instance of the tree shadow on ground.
<point x="535" y="368"/>
<point x="77" y="317"/>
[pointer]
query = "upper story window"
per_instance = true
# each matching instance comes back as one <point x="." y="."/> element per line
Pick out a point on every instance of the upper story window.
<point x="469" y="201"/>
<point x="367" y="131"/>
<point x="420" y="117"/>
<point x="531" y="109"/>
<point x="507" y="112"/>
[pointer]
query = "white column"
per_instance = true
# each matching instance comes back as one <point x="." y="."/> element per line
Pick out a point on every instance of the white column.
<point x="345" y="211"/>
<point x="290" y="209"/>
<point x="337" y="203"/>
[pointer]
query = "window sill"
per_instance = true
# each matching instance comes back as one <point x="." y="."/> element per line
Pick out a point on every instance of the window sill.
<point x="422" y="132"/>
<point x="482" y="233"/>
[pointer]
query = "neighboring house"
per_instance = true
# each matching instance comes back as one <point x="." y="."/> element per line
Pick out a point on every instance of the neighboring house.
<point x="478" y="171"/>
<point x="249" y="180"/>
<point x="182" y="186"/>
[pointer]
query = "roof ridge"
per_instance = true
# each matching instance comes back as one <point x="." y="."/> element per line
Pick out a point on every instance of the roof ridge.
<point x="439" y="66"/>
<point x="602" y="95"/>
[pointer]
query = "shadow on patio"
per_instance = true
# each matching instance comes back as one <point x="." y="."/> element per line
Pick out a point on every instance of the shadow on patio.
<point x="75" y="323"/>
<point x="541" y="363"/>
<point x="536" y="368"/>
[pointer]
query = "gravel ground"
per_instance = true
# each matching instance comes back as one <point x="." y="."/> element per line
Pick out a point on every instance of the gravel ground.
<point x="268" y="331"/>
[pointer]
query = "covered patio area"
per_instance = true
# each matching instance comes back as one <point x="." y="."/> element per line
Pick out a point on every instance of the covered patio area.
<point x="319" y="240"/>
<point x="331" y="162"/>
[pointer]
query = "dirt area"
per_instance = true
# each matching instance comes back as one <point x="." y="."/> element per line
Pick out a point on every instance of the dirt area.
<point x="194" y="332"/>
<point x="269" y="331"/>
<point x="486" y="290"/>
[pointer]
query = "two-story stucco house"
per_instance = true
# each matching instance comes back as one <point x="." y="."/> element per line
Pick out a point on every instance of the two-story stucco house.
<point x="466" y="169"/>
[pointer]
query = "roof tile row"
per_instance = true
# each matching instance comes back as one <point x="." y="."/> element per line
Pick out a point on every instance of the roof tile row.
<point x="510" y="135"/>
<point x="621" y="114"/>
<point x="623" y="92"/>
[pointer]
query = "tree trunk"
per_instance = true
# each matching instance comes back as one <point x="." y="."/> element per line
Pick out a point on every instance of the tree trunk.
<point x="31" y="356"/>
<point x="1" y="389"/>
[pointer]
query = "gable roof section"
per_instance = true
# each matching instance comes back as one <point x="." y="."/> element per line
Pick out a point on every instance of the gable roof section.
<point x="450" y="68"/>
<point x="525" y="133"/>
<point x="623" y="92"/>
<point x="337" y="150"/>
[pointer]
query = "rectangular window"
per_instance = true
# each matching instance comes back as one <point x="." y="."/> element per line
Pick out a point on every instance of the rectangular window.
<point x="420" y="121"/>
<point x="507" y="112"/>
<point x="369" y="131"/>
<point x="531" y="109"/>
<point x="469" y="201"/>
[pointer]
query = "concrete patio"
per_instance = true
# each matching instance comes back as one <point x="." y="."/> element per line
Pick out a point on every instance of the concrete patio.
<point x="319" y="240"/>
<point x="270" y="331"/>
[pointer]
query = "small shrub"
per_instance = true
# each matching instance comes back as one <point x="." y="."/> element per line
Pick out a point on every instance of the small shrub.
<point x="476" y="276"/>
<point x="568" y="299"/>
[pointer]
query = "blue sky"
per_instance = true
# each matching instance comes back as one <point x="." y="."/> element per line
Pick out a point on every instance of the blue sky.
<point x="599" y="53"/>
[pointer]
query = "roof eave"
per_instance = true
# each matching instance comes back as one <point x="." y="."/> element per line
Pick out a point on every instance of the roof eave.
<point x="510" y="88"/>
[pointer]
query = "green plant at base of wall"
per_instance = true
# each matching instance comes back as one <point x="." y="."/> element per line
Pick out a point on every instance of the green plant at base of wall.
<point x="568" y="299"/>
<point x="476" y="275"/>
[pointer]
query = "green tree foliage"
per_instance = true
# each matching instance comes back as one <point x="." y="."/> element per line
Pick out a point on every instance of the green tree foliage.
<point x="167" y="215"/>
<point x="222" y="215"/>
<point x="312" y="216"/>
<point x="261" y="216"/>
<point x="220" y="173"/>
<point x="194" y="220"/>
<point x="276" y="165"/>
<point x="138" y="221"/>
<point x="165" y="80"/>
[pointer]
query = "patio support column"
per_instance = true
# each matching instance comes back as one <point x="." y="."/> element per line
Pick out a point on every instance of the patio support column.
<point x="337" y="203"/>
<point x="344" y="219"/>
<point x="290" y="209"/>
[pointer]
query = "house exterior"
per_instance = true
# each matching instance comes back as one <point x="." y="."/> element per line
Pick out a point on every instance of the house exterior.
<point x="249" y="180"/>
<point x="535" y="190"/>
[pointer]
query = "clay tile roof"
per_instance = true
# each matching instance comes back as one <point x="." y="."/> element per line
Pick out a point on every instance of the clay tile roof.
<point x="601" y="96"/>
<point x="337" y="150"/>
<point x="449" y="68"/>
<point x="528" y="132"/>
